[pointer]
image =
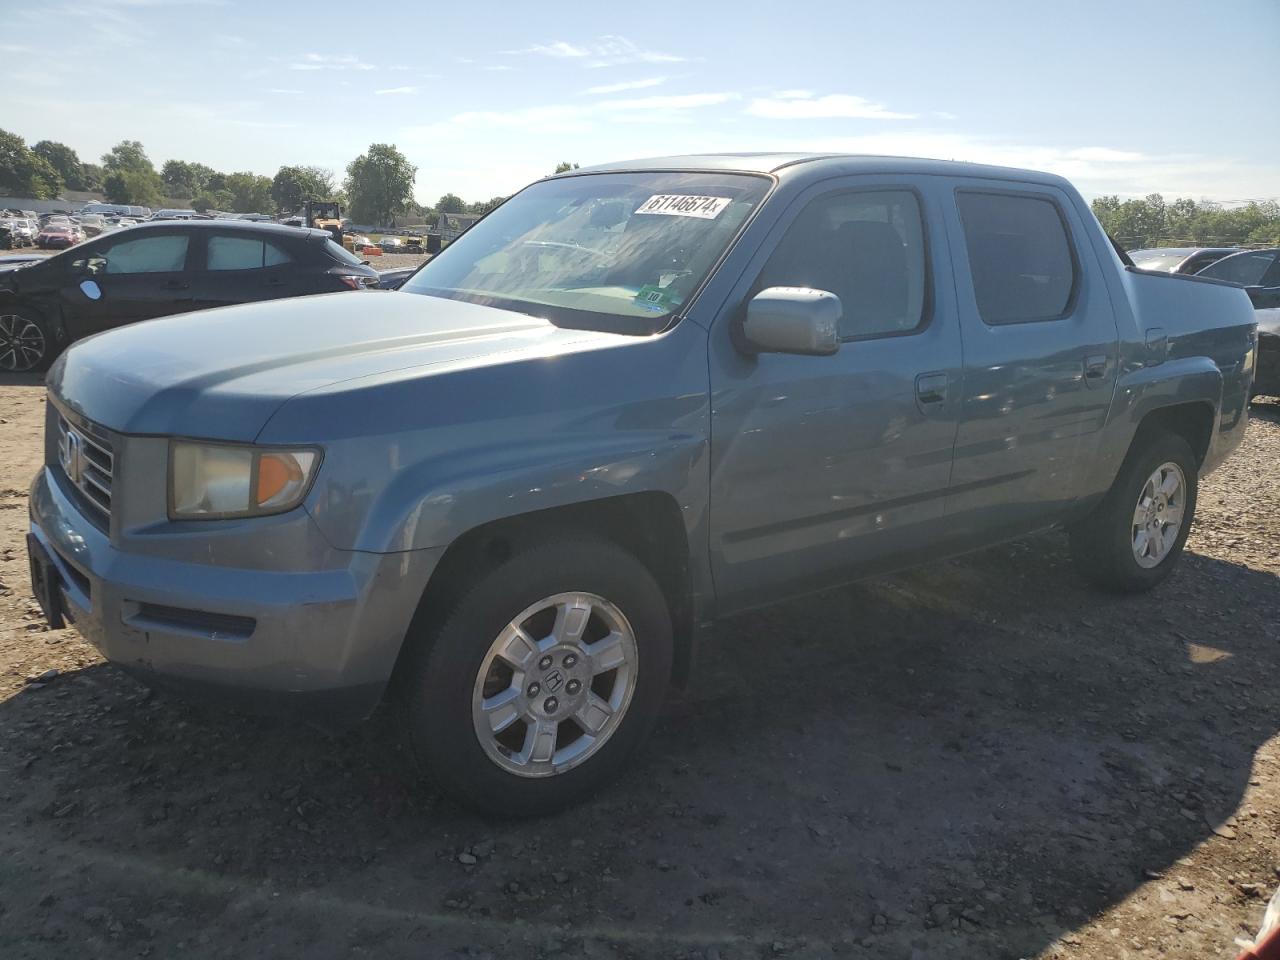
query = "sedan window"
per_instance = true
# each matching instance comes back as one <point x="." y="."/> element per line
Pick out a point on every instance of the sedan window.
<point x="1246" y="269"/>
<point x="164" y="254"/>
<point x="243" y="253"/>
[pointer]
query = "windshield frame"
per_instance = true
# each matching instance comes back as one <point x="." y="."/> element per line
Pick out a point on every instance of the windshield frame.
<point x="575" y="318"/>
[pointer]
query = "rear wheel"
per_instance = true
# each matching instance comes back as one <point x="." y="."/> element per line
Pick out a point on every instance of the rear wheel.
<point x="25" y="341"/>
<point x="547" y="675"/>
<point x="1135" y="537"/>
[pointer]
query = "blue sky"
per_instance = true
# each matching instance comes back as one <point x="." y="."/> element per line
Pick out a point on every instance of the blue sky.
<point x="1126" y="96"/>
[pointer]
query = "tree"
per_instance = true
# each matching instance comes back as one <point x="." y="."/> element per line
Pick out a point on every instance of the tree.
<point x="379" y="183"/>
<point x="92" y="175"/>
<point x="183" y="179"/>
<point x="213" y="200"/>
<point x="451" y="203"/>
<point x="1151" y="222"/>
<point x="250" y="193"/>
<point x="64" y="160"/>
<point x="127" y="155"/>
<point x="292" y="185"/>
<point x="564" y="166"/>
<point x="23" y="173"/>
<point x="141" y="187"/>
<point x="484" y="206"/>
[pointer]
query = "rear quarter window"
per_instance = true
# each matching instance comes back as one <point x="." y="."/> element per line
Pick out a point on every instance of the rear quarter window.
<point x="1020" y="256"/>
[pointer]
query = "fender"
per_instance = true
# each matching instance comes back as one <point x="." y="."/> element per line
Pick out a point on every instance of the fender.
<point x="1139" y="392"/>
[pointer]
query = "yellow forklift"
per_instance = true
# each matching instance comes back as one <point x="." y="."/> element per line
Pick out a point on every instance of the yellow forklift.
<point x="324" y="215"/>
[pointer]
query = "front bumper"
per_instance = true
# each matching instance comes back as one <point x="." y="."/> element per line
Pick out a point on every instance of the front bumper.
<point x="322" y="642"/>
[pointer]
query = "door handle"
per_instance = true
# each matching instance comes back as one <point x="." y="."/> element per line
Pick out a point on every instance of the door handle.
<point x="931" y="389"/>
<point x="177" y="285"/>
<point x="1095" y="366"/>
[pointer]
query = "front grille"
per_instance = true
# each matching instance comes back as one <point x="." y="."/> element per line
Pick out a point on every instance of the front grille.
<point x="88" y="463"/>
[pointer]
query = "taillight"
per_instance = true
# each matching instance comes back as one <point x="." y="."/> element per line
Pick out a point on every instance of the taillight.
<point x="351" y="283"/>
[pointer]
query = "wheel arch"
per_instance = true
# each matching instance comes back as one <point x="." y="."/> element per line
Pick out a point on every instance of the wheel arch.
<point x="648" y="524"/>
<point x="1193" y="421"/>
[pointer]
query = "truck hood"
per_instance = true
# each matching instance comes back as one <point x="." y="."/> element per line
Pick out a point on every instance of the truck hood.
<point x="221" y="374"/>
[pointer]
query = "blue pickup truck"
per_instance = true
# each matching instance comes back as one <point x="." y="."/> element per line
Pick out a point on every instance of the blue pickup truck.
<point x="631" y="400"/>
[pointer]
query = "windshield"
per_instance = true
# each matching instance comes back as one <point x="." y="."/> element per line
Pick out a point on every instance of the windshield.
<point x="1160" y="262"/>
<point x="620" y="252"/>
<point x="1246" y="269"/>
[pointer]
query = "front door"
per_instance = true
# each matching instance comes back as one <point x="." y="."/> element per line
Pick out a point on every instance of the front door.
<point x="133" y="277"/>
<point x="1040" y="357"/>
<point x="824" y="468"/>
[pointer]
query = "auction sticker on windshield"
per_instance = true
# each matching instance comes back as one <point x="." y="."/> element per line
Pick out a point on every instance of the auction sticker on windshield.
<point x="678" y="205"/>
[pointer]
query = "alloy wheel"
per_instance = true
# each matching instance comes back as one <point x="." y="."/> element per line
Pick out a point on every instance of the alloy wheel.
<point x="1158" y="516"/>
<point x="22" y="343"/>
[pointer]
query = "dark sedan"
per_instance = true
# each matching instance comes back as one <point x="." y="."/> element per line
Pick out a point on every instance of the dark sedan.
<point x="160" y="268"/>
<point x="1185" y="260"/>
<point x="1267" y="380"/>
<point x="1258" y="271"/>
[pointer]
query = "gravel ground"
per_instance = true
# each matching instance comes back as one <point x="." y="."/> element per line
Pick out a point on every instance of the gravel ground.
<point x="978" y="759"/>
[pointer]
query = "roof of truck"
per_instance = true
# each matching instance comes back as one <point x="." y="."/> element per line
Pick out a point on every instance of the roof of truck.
<point x="824" y="163"/>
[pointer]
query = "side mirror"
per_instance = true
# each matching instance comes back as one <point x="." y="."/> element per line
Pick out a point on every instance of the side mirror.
<point x="793" y="320"/>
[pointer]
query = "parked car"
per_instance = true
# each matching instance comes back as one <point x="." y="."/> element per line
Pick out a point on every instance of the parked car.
<point x="394" y="279"/>
<point x="1266" y="383"/>
<point x="92" y="224"/>
<point x="15" y="260"/>
<point x="22" y="232"/>
<point x="160" y="268"/>
<point x="391" y="245"/>
<point x="172" y="214"/>
<point x="58" y="235"/>
<point x="631" y="400"/>
<point x="1179" y="259"/>
<point x="1258" y="271"/>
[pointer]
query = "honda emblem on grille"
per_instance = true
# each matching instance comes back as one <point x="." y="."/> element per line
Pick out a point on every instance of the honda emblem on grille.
<point x="72" y="456"/>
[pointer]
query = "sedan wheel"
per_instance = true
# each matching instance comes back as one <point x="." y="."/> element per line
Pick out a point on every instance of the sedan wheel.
<point x="22" y="343"/>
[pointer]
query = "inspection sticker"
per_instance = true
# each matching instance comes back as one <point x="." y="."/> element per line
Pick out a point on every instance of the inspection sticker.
<point x="682" y="205"/>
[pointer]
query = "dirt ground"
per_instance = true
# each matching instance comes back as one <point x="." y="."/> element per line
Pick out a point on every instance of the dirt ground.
<point x="981" y="759"/>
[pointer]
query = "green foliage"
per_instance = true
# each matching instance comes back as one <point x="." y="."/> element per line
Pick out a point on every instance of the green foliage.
<point x="91" y="175"/>
<point x="1151" y="222"/>
<point x="64" y="160"/>
<point x="451" y="203"/>
<point x="183" y="179"/>
<point x="293" y="185"/>
<point x="379" y="184"/>
<point x="484" y="206"/>
<point x="250" y="193"/>
<point x="564" y="166"/>
<point x="215" y="200"/>
<point x="23" y="173"/>
<point x="127" y="155"/>
<point x="141" y="187"/>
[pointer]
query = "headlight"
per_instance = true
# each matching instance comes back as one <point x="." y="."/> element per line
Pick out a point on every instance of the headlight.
<point x="209" y="481"/>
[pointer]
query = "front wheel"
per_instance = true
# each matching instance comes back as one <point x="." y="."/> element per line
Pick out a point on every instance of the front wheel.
<point x="545" y="678"/>
<point x="1133" y="540"/>
<point x="25" y="342"/>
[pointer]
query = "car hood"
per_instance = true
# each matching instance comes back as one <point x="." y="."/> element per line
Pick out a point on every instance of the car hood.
<point x="222" y="373"/>
<point x="1269" y="321"/>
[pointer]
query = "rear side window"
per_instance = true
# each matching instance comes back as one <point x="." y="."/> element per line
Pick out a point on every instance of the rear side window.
<point x="341" y="254"/>
<point x="1019" y="256"/>
<point x="1247" y="269"/>
<point x="163" y="254"/>
<point x="866" y="247"/>
<point x="243" y="253"/>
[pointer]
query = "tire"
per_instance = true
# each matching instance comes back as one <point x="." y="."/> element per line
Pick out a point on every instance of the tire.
<point x="1107" y="547"/>
<point x="455" y="677"/>
<point x="27" y="343"/>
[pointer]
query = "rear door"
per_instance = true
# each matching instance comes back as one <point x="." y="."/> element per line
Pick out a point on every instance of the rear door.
<point x="243" y="268"/>
<point x="1040" y="356"/>
<point x="137" y="276"/>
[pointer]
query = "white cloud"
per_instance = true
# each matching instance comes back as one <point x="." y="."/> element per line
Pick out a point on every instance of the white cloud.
<point x="803" y="105"/>
<point x="627" y="85"/>
<point x="320" y="61"/>
<point x="498" y="67"/>
<point x="285" y="90"/>
<point x="395" y="91"/>
<point x="685" y="101"/>
<point x="609" y="50"/>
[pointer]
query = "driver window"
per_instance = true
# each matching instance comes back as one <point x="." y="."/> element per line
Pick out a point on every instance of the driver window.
<point x="160" y="254"/>
<point x="867" y="248"/>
